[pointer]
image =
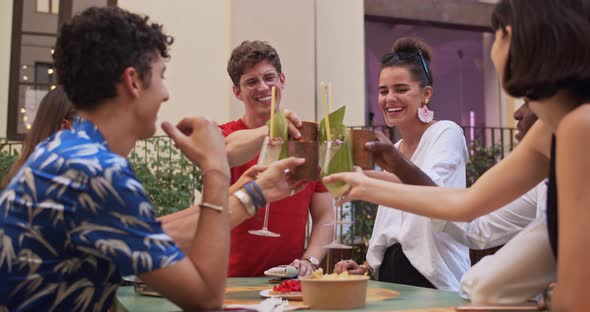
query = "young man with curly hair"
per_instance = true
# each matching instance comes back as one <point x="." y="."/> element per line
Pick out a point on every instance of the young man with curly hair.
<point x="75" y="218"/>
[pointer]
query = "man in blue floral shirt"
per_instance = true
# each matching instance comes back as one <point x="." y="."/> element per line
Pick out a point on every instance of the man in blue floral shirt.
<point x="75" y="218"/>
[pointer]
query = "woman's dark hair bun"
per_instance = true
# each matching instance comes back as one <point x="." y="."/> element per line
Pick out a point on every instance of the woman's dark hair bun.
<point x="412" y="44"/>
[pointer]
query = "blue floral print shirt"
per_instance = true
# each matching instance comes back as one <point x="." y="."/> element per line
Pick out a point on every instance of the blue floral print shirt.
<point x="72" y="222"/>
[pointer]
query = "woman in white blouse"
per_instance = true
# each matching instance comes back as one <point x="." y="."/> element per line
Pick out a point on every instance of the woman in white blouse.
<point x="406" y="248"/>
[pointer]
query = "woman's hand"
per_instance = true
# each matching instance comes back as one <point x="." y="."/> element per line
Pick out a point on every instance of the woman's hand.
<point x="348" y="265"/>
<point x="357" y="180"/>
<point x="385" y="154"/>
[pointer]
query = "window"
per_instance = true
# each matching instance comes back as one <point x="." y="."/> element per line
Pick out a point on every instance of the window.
<point x="48" y="6"/>
<point x="34" y="30"/>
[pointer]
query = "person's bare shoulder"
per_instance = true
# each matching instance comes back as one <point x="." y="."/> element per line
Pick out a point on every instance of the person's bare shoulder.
<point x="575" y="124"/>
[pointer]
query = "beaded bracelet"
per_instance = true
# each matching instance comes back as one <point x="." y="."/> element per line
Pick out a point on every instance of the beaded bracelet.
<point x="259" y="191"/>
<point x="258" y="202"/>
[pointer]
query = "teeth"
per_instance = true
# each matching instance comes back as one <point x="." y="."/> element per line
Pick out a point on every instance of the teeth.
<point x="264" y="99"/>
<point x="394" y="109"/>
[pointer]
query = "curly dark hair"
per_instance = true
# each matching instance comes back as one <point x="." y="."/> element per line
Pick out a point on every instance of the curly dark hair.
<point x="248" y="54"/>
<point x="95" y="47"/>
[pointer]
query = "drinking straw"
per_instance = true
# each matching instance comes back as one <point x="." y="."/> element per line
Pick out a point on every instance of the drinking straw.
<point x="272" y="112"/>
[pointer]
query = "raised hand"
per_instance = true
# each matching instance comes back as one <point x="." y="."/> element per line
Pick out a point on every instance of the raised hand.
<point x="385" y="154"/>
<point x="294" y="123"/>
<point x="276" y="182"/>
<point x="357" y="181"/>
<point x="200" y="140"/>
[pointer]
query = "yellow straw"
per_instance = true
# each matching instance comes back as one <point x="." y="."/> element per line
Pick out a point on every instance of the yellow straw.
<point x="325" y="106"/>
<point x="330" y="99"/>
<point x="272" y="112"/>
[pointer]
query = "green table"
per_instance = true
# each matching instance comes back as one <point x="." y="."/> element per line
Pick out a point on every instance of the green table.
<point x="410" y="297"/>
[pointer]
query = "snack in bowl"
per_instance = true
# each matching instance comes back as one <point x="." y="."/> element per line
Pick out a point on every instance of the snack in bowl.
<point x="334" y="291"/>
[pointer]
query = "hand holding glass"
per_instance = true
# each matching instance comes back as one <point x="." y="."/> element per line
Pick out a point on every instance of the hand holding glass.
<point x="270" y="152"/>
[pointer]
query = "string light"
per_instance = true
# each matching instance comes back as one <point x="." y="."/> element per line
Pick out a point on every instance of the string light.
<point x="52" y="87"/>
<point x="50" y="71"/>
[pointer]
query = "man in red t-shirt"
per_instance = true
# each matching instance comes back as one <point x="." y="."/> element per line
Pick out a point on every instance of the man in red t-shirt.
<point x="255" y="67"/>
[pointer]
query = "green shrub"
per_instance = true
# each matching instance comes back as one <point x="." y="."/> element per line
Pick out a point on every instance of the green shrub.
<point x="7" y="157"/>
<point x="168" y="177"/>
<point x="481" y="159"/>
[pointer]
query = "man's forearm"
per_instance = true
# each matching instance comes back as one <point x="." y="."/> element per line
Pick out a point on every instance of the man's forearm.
<point x="238" y="211"/>
<point x="210" y="247"/>
<point x="322" y="229"/>
<point x="242" y="146"/>
<point x="321" y="234"/>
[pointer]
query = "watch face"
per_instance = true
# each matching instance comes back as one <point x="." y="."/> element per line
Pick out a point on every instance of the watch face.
<point x="313" y="261"/>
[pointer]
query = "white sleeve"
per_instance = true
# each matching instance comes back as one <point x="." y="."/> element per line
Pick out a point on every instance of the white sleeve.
<point x="516" y="273"/>
<point x="498" y="227"/>
<point x="446" y="165"/>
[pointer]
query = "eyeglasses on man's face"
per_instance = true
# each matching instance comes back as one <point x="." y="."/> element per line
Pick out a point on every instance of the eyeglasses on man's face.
<point x="270" y="78"/>
<point x="404" y="56"/>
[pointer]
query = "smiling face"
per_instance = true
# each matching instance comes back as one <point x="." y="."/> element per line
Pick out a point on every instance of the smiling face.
<point x="400" y="96"/>
<point x="258" y="98"/>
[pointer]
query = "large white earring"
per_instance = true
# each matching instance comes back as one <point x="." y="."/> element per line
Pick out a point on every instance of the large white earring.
<point x="424" y="114"/>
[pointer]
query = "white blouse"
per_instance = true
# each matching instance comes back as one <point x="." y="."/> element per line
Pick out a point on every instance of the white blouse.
<point x="442" y="155"/>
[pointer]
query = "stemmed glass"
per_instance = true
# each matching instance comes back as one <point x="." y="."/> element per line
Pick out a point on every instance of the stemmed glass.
<point x="337" y="189"/>
<point x="270" y="152"/>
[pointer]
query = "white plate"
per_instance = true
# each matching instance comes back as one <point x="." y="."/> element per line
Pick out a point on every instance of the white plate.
<point x="291" y="296"/>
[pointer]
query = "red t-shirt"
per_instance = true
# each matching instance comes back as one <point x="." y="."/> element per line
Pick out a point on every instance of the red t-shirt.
<point x="251" y="255"/>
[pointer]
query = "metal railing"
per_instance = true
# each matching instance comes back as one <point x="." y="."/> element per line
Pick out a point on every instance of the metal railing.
<point x="489" y="137"/>
<point x="10" y="148"/>
<point x="167" y="175"/>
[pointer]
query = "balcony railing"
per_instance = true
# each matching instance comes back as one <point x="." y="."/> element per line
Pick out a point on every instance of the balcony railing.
<point x="170" y="179"/>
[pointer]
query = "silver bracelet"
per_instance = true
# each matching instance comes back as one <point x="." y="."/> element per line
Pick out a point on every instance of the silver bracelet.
<point x="246" y="201"/>
<point x="211" y="206"/>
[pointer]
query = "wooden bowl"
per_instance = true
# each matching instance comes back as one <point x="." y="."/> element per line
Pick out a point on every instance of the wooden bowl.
<point x="334" y="293"/>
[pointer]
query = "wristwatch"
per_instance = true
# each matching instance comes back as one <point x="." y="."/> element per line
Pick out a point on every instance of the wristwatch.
<point x="314" y="262"/>
<point x="245" y="199"/>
